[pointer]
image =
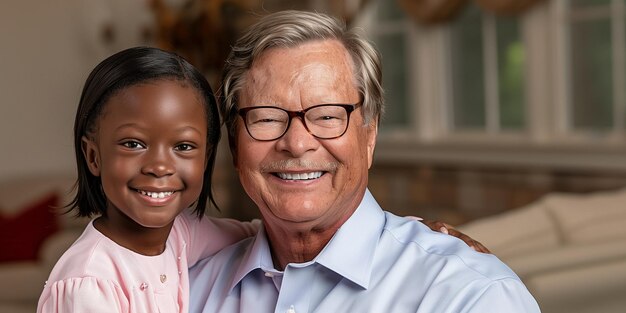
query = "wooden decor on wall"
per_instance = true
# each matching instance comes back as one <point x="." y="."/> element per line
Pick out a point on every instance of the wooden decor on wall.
<point x="432" y="11"/>
<point x="203" y="31"/>
<point x="506" y="7"/>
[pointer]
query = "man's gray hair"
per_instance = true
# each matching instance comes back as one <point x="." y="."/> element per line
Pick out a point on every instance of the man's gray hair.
<point x="289" y="29"/>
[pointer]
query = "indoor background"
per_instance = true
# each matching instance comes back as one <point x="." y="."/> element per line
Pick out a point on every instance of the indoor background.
<point x="494" y="108"/>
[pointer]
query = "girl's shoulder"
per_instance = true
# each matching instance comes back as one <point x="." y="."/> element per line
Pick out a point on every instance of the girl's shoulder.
<point x="91" y="255"/>
<point x="85" y="271"/>
<point x="83" y="294"/>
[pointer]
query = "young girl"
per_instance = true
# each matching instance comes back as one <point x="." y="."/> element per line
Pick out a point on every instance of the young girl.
<point x="145" y="138"/>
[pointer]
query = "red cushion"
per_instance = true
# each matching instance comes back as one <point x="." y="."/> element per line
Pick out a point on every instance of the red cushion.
<point x="21" y="235"/>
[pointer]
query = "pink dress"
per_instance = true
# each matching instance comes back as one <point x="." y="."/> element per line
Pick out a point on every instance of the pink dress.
<point x="97" y="275"/>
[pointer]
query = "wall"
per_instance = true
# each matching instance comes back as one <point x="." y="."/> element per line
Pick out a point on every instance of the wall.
<point x="48" y="49"/>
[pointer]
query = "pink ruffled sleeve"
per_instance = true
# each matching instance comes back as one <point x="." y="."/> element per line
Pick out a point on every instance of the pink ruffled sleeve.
<point x="88" y="294"/>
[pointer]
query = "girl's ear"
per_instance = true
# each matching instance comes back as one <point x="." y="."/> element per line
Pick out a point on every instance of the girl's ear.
<point x="92" y="155"/>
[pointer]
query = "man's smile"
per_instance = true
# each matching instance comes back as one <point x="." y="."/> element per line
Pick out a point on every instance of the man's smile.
<point x="300" y="176"/>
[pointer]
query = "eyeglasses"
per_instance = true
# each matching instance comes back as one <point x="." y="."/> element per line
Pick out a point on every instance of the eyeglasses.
<point x="324" y="121"/>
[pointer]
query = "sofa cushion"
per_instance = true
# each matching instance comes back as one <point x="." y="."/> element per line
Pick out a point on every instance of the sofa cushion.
<point x="568" y="257"/>
<point x="589" y="218"/>
<point x="22" y="234"/>
<point x="523" y="230"/>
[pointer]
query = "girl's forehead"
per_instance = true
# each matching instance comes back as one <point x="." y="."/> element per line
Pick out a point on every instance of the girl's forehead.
<point x="156" y="103"/>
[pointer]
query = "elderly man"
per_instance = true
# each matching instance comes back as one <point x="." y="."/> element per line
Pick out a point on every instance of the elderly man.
<point x="302" y="98"/>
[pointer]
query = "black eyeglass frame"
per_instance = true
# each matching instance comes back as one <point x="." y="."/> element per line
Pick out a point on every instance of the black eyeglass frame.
<point x="300" y="114"/>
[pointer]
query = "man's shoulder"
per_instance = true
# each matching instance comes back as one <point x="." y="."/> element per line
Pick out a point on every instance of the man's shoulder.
<point x="441" y="249"/>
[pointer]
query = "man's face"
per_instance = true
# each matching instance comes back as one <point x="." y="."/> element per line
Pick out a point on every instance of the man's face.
<point x="318" y="72"/>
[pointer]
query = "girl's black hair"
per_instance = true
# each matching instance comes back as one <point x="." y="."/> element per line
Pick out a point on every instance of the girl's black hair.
<point x="121" y="70"/>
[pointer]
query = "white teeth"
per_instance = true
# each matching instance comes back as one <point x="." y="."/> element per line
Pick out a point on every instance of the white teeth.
<point x="299" y="176"/>
<point x="156" y="195"/>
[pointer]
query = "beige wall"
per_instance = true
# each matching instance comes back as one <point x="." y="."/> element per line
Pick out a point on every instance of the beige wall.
<point x="47" y="49"/>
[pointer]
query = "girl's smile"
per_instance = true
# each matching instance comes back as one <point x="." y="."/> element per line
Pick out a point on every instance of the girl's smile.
<point x="156" y="197"/>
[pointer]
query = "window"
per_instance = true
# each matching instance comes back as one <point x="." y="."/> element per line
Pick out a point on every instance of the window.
<point x="487" y="72"/>
<point x="391" y="37"/>
<point x="547" y="87"/>
<point x="595" y="52"/>
<point x="481" y="71"/>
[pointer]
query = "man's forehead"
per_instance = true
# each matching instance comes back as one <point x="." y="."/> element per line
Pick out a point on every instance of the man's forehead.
<point x="312" y="67"/>
<point x="330" y="52"/>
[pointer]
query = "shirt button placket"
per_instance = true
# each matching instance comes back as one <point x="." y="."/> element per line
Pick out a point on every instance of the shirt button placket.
<point x="295" y="289"/>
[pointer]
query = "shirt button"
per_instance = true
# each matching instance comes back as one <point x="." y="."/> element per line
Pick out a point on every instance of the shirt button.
<point x="291" y="310"/>
<point x="268" y="274"/>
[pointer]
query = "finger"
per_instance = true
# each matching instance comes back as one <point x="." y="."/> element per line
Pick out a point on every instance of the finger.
<point x="468" y="240"/>
<point x="477" y="246"/>
<point x="438" y="226"/>
<point x="415" y="218"/>
<point x="480" y="247"/>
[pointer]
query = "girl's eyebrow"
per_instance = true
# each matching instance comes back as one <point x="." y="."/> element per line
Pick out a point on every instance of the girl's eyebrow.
<point x="188" y="128"/>
<point x="128" y="125"/>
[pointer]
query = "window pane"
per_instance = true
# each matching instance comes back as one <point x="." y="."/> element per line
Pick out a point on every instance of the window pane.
<point x="468" y="71"/>
<point x="510" y="74"/>
<point x="393" y="50"/>
<point x="587" y="3"/>
<point x="389" y="11"/>
<point x="592" y="94"/>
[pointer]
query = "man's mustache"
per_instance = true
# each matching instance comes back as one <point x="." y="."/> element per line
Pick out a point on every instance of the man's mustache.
<point x="299" y="164"/>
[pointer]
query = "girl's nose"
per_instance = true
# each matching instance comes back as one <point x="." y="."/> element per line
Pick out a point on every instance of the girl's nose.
<point x="158" y="164"/>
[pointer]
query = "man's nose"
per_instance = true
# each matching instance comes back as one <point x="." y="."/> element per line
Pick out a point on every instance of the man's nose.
<point x="297" y="140"/>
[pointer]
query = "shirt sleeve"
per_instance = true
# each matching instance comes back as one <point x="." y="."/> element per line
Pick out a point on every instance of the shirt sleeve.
<point x="208" y="235"/>
<point x="87" y="294"/>
<point x="506" y="295"/>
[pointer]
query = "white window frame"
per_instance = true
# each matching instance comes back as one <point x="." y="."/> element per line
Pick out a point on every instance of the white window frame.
<point x="548" y="140"/>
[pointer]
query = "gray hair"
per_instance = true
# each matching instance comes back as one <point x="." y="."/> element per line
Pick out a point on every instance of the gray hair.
<point x="289" y="29"/>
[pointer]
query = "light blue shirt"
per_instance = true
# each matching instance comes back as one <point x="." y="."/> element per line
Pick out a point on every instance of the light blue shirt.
<point x="376" y="262"/>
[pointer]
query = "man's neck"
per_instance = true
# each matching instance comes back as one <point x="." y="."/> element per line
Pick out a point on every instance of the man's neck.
<point x="289" y="246"/>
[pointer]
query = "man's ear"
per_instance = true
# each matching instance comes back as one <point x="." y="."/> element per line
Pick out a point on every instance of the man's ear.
<point x="92" y="155"/>
<point x="372" y="133"/>
<point x="232" y="144"/>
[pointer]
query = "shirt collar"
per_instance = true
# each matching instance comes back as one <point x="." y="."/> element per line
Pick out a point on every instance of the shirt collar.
<point x="351" y="250"/>
<point x="258" y="256"/>
<point x="349" y="253"/>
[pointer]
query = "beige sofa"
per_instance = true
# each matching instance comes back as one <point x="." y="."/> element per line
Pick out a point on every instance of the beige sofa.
<point x="21" y="282"/>
<point x="569" y="249"/>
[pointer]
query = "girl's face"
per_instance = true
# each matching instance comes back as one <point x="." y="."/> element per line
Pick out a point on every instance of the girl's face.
<point x="150" y="152"/>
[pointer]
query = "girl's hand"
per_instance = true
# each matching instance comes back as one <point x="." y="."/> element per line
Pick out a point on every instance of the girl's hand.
<point x="449" y="230"/>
